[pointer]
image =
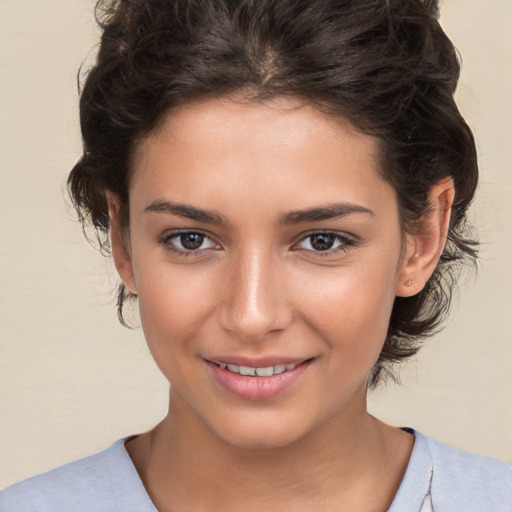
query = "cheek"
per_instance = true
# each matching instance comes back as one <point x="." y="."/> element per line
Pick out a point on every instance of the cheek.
<point x="174" y="304"/>
<point x="351" y="308"/>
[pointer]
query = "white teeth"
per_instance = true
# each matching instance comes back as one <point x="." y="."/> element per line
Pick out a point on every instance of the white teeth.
<point x="266" y="371"/>
<point x="247" y="370"/>
<point x="280" y="368"/>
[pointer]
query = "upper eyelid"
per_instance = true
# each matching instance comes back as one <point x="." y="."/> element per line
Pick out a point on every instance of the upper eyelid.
<point x="340" y="234"/>
<point x="348" y="242"/>
<point x="167" y="243"/>
<point x="167" y="235"/>
<point x="344" y="236"/>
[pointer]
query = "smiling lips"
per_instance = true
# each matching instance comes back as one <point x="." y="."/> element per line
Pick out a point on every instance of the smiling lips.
<point x="257" y="382"/>
<point x="266" y="371"/>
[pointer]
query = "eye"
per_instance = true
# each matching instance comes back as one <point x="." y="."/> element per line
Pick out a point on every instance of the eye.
<point x="325" y="242"/>
<point x="187" y="242"/>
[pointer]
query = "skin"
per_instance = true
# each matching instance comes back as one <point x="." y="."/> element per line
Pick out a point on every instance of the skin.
<point x="257" y="287"/>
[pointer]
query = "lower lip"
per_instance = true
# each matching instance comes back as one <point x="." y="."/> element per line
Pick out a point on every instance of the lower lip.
<point x="257" y="388"/>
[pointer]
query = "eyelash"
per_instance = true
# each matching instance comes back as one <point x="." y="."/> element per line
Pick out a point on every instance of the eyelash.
<point x="168" y="244"/>
<point x="346" y="243"/>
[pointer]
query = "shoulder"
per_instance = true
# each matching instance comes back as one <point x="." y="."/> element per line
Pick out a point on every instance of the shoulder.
<point x="97" y="482"/>
<point x="468" y="482"/>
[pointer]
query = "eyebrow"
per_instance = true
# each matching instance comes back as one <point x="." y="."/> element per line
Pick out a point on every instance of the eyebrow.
<point x="331" y="211"/>
<point x="186" y="211"/>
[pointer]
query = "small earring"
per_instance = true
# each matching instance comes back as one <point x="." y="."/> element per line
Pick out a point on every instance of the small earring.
<point x="408" y="282"/>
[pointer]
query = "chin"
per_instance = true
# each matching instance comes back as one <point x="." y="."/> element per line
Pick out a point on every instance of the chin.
<point x="260" y="433"/>
<point x="260" y="440"/>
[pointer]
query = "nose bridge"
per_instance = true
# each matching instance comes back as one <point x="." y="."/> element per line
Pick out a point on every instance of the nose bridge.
<point x="256" y="301"/>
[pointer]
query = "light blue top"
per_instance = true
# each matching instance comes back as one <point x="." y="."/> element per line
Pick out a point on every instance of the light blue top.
<point x="450" y="480"/>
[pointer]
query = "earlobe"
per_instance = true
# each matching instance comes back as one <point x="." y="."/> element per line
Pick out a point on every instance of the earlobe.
<point x="424" y="248"/>
<point x="120" y="252"/>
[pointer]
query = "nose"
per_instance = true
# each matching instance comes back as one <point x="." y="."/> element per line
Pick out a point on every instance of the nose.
<point x="255" y="302"/>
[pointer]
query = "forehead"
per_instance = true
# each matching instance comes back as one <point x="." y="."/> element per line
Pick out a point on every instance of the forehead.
<point x="277" y="122"/>
<point x="278" y="151"/>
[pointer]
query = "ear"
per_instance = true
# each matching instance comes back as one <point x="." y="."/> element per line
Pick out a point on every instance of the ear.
<point x="424" y="248"/>
<point x="120" y="251"/>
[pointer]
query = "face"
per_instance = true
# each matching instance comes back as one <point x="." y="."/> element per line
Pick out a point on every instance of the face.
<point x="265" y="249"/>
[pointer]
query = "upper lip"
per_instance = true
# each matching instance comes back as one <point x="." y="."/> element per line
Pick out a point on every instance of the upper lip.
<point x="257" y="362"/>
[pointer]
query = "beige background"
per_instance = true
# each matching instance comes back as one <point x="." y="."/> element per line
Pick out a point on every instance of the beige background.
<point x="72" y="380"/>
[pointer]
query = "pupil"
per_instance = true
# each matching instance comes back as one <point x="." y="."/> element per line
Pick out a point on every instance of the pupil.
<point x="191" y="241"/>
<point x="322" y="242"/>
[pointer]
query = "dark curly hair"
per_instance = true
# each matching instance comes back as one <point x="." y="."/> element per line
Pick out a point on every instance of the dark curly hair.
<point x="386" y="65"/>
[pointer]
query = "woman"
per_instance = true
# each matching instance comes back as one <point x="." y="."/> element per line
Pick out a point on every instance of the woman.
<point x="284" y="187"/>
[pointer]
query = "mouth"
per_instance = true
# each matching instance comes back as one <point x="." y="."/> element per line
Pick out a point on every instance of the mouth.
<point x="259" y="380"/>
<point x="258" y="371"/>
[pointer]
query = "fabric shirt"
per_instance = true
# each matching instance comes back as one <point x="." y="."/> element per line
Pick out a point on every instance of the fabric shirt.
<point x="438" y="479"/>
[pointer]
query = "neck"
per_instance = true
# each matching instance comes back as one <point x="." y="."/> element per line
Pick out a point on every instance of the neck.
<point x="185" y="466"/>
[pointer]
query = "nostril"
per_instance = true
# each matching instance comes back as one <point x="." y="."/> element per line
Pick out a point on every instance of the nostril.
<point x="254" y="300"/>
